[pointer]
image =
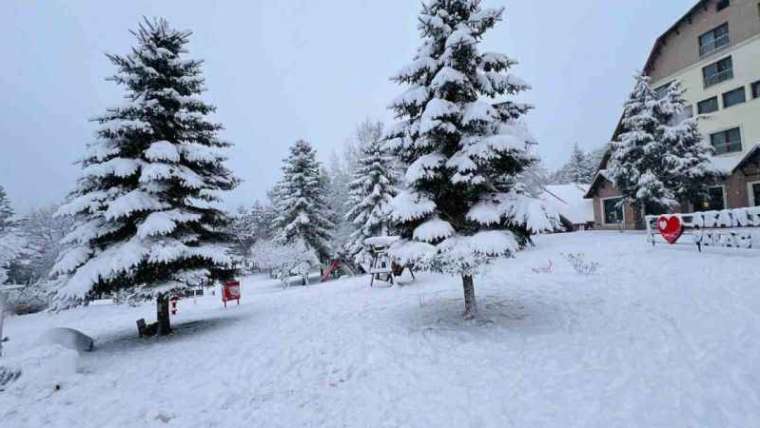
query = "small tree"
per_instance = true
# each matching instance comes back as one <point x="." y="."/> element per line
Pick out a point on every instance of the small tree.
<point x="12" y="245"/>
<point x="370" y="192"/>
<point x="6" y="211"/>
<point x="147" y="204"/>
<point x="262" y="215"/>
<point x="580" y="168"/>
<point x="300" y="202"/>
<point x="242" y="232"/>
<point x="464" y="150"/>
<point x="338" y="180"/>
<point x="43" y="231"/>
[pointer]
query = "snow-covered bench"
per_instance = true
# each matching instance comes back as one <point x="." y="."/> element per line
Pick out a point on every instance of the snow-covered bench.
<point x="383" y="267"/>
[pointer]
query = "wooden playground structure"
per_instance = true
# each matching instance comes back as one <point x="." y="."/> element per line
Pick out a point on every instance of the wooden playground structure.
<point x="383" y="267"/>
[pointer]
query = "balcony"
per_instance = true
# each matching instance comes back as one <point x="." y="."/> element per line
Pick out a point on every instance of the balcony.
<point x="719" y="77"/>
<point x="709" y="47"/>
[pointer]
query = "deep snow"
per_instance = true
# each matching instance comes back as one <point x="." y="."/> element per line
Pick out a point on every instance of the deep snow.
<point x="658" y="337"/>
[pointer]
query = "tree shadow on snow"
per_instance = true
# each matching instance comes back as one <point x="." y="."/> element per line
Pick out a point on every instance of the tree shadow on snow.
<point x="442" y="312"/>
<point x="128" y="339"/>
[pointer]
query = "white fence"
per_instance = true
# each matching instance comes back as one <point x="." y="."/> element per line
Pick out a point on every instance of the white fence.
<point x="735" y="228"/>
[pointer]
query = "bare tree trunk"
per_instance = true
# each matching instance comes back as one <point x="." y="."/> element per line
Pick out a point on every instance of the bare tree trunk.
<point x="470" y="306"/>
<point x="162" y="314"/>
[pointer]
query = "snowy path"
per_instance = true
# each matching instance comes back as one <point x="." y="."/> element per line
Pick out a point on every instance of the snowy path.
<point x="657" y="338"/>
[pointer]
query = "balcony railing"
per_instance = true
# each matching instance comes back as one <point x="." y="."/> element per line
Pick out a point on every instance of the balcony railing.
<point x="714" y="45"/>
<point x="719" y="77"/>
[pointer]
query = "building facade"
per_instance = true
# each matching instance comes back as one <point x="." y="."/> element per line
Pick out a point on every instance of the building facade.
<point x="714" y="51"/>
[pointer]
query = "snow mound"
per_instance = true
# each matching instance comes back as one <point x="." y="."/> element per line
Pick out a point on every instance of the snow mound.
<point x="42" y="368"/>
<point x="68" y="338"/>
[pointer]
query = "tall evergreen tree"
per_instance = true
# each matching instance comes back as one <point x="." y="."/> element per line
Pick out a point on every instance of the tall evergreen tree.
<point x="464" y="149"/>
<point x="659" y="158"/>
<point x="688" y="157"/>
<point x="370" y="192"/>
<point x="637" y="160"/>
<point x="148" y="208"/>
<point x="303" y="214"/>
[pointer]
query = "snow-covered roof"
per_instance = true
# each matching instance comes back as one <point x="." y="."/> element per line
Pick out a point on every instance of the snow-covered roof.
<point x="569" y="200"/>
<point x="600" y="175"/>
<point x="729" y="164"/>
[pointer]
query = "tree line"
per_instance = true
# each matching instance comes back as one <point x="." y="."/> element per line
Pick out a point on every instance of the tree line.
<point x="454" y="178"/>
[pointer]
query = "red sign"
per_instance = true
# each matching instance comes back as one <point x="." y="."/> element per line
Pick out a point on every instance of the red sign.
<point x="670" y="228"/>
<point x="231" y="291"/>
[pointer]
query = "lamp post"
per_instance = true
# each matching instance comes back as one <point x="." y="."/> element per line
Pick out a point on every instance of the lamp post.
<point x="4" y="290"/>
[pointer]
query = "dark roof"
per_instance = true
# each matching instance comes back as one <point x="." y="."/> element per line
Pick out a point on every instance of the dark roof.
<point x="702" y="4"/>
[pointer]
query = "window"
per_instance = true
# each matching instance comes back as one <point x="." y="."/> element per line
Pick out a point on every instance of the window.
<point x="661" y="91"/>
<point x="718" y="72"/>
<point x="729" y="141"/>
<point x="613" y="210"/>
<point x="722" y="4"/>
<point x="714" y="40"/>
<point x="708" y="106"/>
<point x="732" y="98"/>
<point x="715" y="200"/>
<point x="754" y="194"/>
<point x="756" y="90"/>
<point x="685" y="114"/>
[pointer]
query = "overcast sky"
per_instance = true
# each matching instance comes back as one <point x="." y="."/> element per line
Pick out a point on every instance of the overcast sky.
<point x="280" y="70"/>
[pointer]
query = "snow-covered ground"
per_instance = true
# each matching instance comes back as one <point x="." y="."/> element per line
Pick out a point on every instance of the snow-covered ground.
<point x="658" y="337"/>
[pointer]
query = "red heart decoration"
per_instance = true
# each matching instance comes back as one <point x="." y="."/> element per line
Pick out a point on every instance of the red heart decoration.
<point x="670" y="228"/>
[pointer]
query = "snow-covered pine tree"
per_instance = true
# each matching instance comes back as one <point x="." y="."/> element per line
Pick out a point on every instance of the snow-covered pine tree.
<point x="302" y="213"/>
<point x="535" y="178"/>
<point x="688" y="157"/>
<point x="338" y="180"/>
<point x="580" y="168"/>
<point x="370" y="192"/>
<point x="659" y="158"/>
<point x="148" y="208"/>
<point x="262" y="216"/>
<point x="637" y="161"/>
<point x="242" y="232"/>
<point x="464" y="149"/>
<point x="43" y="231"/>
<point x="6" y="211"/>
<point x="12" y="245"/>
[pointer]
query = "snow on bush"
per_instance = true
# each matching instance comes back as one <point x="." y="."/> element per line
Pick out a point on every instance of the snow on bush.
<point x="580" y="265"/>
<point x="41" y="369"/>
<point x="284" y="260"/>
